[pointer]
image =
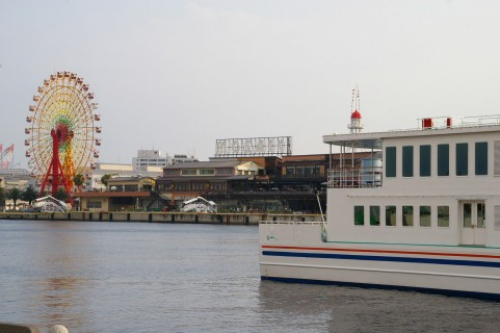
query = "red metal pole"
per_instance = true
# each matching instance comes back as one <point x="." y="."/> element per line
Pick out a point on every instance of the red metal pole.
<point x="55" y="162"/>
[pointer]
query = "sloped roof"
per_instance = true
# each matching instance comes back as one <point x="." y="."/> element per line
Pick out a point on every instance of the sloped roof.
<point x="229" y="163"/>
<point x="129" y="179"/>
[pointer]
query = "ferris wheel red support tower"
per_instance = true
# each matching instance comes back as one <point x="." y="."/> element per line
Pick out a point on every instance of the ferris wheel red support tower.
<point x="55" y="171"/>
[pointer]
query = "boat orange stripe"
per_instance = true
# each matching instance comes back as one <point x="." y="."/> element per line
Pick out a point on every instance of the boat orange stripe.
<point x="339" y="249"/>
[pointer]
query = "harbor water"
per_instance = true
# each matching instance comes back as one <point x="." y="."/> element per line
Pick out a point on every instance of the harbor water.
<point x="152" y="277"/>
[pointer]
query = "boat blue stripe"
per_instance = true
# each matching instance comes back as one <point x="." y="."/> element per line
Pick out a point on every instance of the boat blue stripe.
<point x="382" y="258"/>
<point x="449" y="292"/>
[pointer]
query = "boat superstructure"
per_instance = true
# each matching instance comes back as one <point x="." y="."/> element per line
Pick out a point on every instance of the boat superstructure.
<point x="416" y="209"/>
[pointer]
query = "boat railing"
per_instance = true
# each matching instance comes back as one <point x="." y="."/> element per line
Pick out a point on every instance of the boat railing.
<point x="449" y="122"/>
<point x="368" y="177"/>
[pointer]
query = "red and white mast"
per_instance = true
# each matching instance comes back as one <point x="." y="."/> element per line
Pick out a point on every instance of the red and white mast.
<point x="356" y="125"/>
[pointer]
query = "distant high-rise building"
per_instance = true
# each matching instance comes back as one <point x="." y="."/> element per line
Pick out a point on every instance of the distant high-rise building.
<point x="181" y="159"/>
<point x="153" y="158"/>
<point x="147" y="158"/>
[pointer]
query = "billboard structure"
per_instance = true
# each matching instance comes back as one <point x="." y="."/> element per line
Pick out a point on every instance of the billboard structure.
<point x="246" y="147"/>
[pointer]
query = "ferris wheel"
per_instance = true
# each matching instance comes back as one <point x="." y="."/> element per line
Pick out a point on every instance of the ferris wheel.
<point x="64" y="115"/>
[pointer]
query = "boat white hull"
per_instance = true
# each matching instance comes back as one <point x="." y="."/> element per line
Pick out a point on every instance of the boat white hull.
<point x="295" y="253"/>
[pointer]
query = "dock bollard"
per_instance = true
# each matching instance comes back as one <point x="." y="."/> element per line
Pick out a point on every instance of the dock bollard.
<point x="58" y="329"/>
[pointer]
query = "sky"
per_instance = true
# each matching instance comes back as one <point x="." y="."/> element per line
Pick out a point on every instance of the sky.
<point x="178" y="75"/>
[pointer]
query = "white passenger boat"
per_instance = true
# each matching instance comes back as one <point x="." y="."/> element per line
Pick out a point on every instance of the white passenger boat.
<point x="409" y="209"/>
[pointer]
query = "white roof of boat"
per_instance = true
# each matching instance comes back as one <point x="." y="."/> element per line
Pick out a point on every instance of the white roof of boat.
<point x="374" y="140"/>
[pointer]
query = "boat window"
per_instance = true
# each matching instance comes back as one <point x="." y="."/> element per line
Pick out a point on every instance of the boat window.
<point x="467" y="215"/>
<point x="462" y="159"/>
<point x="359" y="215"/>
<point x="407" y="161"/>
<point x="390" y="161"/>
<point x="443" y="160"/>
<point x="481" y="215"/>
<point x="425" y="216"/>
<point x="390" y="216"/>
<point x="481" y="158"/>
<point x="425" y="161"/>
<point x="443" y="216"/>
<point x="374" y="215"/>
<point x="497" y="158"/>
<point x="497" y="217"/>
<point x="407" y="215"/>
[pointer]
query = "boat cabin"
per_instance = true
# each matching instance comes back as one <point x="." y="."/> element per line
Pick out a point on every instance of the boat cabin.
<point x="437" y="184"/>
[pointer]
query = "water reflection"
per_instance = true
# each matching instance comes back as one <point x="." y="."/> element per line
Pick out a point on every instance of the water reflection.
<point x="57" y="294"/>
<point x="321" y="308"/>
<point x="61" y="288"/>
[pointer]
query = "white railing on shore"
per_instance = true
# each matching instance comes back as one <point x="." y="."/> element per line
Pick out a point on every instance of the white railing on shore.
<point x="291" y="219"/>
<point x="292" y="222"/>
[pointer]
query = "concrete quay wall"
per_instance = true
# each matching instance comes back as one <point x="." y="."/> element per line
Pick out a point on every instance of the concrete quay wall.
<point x="161" y="217"/>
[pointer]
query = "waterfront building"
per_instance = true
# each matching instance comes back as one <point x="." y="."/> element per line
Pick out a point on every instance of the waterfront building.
<point x="288" y="183"/>
<point x="181" y="182"/>
<point x="121" y="193"/>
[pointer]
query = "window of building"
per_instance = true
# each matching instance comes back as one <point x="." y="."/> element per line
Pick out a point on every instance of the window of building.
<point x="188" y="172"/>
<point x="443" y="216"/>
<point x="359" y="215"/>
<point x="443" y="159"/>
<point x="94" y="204"/>
<point x="390" y="161"/>
<point x="299" y="171"/>
<point x="225" y="171"/>
<point x="206" y="172"/>
<point x="171" y="172"/>
<point x="407" y="216"/>
<point x="462" y="159"/>
<point x="320" y="171"/>
<point x="166" y="186"/>
<point x="390" y="216"/>
<point x="425" y="216"/>
<point x="425" y="161"/>
<point x="374" y="215"/>
<point x="407" y="161"/>
<point x="290" y="171"/>
<point x="181" y="187"/>
<point x="131" y="188"/>
<point x="308" y="171"/>
<point x="219" y="186"/>
<point x="200" y="186"/>
<point x="481" y="158"/>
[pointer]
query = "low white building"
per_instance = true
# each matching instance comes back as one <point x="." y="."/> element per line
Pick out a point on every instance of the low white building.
<point x="114" y="170"/>
<point x="20" y="178"/>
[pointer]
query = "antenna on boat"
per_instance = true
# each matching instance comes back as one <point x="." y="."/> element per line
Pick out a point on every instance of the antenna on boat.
<point x="355" y="126"/>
